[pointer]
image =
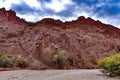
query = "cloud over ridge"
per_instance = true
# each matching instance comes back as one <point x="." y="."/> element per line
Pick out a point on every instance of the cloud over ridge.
<point x="106" y="11"/>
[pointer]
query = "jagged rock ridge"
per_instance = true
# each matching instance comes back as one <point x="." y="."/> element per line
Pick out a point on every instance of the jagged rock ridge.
<point x="84" y="40"/>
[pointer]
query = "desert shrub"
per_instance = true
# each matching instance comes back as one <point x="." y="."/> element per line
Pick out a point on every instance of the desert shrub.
<point x="111" y="64"/>
<point x="60" y="60"/>
<point x="6" y="60"/>
<point x="20" y="62"/>
<point x="9" y="61"/>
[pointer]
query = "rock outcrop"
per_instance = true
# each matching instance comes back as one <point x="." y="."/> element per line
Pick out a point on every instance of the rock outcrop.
<point x="83" y="40"/>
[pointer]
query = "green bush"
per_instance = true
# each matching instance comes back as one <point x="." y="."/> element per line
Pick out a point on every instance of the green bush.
<point x="20" y="62"/>
<point x="60" y="60"/>
<point x="9" y="61"/>
<point x="6" y="60"/>
<point x="111" y="64"/>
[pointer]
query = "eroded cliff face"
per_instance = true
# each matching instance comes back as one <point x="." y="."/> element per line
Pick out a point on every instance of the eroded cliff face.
<point x="83" y="40"/>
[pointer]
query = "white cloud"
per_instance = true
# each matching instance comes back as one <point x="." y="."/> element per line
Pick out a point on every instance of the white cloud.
<point x="82" y="10"/>
<point x="33" y="3"/>
<point x="118" y="26"/>
<point x="58" y="5"/>
<point x="70" y="18"/>
<point x="8" y="3"/>
<point x="28" y="17"/>
<point x="108" y="20"/>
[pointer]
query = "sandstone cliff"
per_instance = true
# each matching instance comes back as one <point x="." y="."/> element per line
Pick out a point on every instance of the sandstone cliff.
<point x="84" y="40"/>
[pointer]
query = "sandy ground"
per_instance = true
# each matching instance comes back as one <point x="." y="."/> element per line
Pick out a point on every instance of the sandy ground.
<point x="82" y="74"/>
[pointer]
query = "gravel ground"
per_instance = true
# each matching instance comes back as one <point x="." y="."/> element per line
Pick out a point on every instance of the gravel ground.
<point x="82" y="74"/>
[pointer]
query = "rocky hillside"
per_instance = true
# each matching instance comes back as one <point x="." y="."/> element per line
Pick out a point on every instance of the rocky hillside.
<point x="83" y="40"/>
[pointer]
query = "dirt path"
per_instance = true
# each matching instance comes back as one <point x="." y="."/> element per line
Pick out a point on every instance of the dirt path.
<point x="82" y="74"/>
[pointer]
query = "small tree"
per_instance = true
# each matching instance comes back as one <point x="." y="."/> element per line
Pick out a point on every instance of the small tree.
<point x="60" y="60"/>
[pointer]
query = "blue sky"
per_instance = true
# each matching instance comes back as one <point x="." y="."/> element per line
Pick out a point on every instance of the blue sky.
<point x="107" y="11"/>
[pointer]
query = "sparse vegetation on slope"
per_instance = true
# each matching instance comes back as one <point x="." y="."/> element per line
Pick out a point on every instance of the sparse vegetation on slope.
<point x="60" y="61"/>
<point x="84" y="41"/>
<point x="111" y="65"/>
<point x="9" y="61"/>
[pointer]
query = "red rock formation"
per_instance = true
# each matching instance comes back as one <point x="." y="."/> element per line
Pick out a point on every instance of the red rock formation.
<point x="83" y="40"/>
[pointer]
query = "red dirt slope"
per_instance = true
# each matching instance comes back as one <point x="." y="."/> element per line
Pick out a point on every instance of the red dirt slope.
<point x="84" y="40"/>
